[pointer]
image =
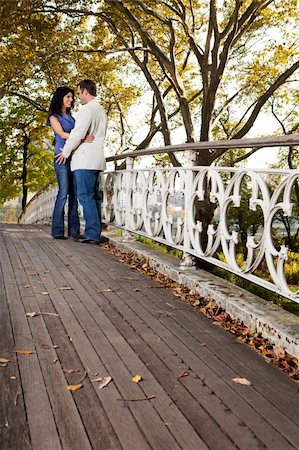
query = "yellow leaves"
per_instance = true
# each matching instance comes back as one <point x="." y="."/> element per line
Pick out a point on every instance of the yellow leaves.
<point x="243" y="381"/>
<point x="103" y="381"/>
<point x="74" y="387"/>
<point x="136" y="378"/>
<point x="4" y="361"/>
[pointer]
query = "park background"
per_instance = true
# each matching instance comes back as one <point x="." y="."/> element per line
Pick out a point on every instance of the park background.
<point x="168" y="72"/>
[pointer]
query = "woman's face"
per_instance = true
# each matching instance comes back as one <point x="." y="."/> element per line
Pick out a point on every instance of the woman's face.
<point x="67" y="100"/>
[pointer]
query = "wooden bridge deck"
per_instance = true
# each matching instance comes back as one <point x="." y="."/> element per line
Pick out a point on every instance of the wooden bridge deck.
<point x="97" y="317"/>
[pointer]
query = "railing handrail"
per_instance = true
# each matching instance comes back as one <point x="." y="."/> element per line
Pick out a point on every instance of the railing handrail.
<point x="262" y="142"/>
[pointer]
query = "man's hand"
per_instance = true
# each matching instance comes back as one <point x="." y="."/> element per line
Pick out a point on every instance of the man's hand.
<point x="60" y="159"/>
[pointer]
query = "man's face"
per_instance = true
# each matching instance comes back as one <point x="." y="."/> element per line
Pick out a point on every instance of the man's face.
<point x="82" y="95"/>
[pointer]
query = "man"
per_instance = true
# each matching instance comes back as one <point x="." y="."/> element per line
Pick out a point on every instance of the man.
<point x="87" y="158"/>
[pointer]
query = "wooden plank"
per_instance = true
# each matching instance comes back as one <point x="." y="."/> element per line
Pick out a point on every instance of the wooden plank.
<point x="154" y="429"/>
<point x="172" y="378"/>
<point x="88" y="405"/>
<point x="279" y="420"/>
<point x="38" y="408"/>
<point x="14" y="431"/>
<point x="120" y="416"/>
<point x="176" y="422"/>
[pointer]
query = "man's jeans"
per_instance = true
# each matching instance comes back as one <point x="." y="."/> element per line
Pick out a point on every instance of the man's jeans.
<point x="87" y="187"/>
<point x="65" y="189"/>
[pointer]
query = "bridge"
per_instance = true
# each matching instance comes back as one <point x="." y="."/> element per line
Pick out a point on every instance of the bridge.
<point x="98" y="356"/>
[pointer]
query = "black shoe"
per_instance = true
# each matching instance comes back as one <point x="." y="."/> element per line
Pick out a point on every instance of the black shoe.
<point x="103" y="240"/>
<point x="88" y="241"/>
<point x="59" y="237"/>
<point x="77" y="237"/>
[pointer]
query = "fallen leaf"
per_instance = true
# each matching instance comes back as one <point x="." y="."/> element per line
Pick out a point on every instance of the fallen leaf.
<point x="240" y="380"/>
<point x="106" y="290"/>
<point x="45" y="293"/>
<point x="183" y="373"/>
<point x="74" y="387"/>
<point x="3" y="365"/>
<point x="29" y="285"/>
<point x="136" y="378"/>
<point x="279" y="352"/>
<point x="104" y="382"/>
<point x="23" y="352"/>
<point x="31" y="314"/>
<point x="136" y="290"/>
<point x="65" y="288"/>
<point x="196" y="303"/>
<point x="4" y="360"/>
<point x="13" y="378"/>
<point x="71" y="370"/>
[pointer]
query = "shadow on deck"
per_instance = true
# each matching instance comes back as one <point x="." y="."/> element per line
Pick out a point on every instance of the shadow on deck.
<point x="96" y="317"/>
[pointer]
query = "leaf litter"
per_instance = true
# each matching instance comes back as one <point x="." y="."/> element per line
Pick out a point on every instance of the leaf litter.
<point x="273" y="354"/>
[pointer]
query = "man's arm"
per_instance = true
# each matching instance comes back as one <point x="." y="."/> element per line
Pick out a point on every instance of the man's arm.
<point x="79" y="132"/>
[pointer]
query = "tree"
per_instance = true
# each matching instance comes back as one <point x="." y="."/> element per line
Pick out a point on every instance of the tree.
<point x="26" y="163"/>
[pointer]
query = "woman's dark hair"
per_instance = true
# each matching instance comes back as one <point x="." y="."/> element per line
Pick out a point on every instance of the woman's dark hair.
<point x="57" y="100"/>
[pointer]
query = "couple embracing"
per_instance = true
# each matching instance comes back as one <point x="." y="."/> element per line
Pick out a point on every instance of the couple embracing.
<point x="79" y="158"/>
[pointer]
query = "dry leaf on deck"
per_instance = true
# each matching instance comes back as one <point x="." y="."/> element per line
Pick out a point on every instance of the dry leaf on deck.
<point x="31" y="314"/>
<point x="104" y="382"/>
<point x="279" y="352"/>
<point x="23" y="352"/>
<point x="183" y="373"/>
<point x="136" y="378"/>
<point x="71" y="370"/>
<point x="4" y="360"/>
<point x="13" y="377"/>
<point x="45" y="293"/>
<point x="240" y="380"/>
<point x="74" y="387"/>
<point x="136" y="290"/>
<point x="65" y="288"/>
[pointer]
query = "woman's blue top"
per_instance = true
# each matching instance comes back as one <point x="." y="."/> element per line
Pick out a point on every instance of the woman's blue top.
<point x="67" y="122"/>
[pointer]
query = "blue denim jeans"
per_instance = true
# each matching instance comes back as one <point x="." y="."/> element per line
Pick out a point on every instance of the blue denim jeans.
<point x="87" y="187"/>
<point x="66" y="189"/>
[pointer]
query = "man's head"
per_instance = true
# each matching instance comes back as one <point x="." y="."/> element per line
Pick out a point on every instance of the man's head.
<point x="87" y="91"/>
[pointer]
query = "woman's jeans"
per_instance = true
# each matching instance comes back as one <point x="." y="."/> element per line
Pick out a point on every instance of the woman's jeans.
<point x="87" y="187"/>
<point x="66" y="189"/>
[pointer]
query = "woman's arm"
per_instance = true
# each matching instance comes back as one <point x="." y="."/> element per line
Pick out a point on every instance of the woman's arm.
<point x="58" y="128"/>
<point x="55" y="124"/>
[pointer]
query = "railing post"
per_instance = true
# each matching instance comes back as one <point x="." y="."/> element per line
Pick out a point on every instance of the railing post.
<point x="188" y="260"/>
<point x="128" y="177"/>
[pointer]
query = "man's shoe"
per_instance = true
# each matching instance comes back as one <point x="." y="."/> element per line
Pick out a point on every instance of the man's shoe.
<point x="103" y="240"/>
<point x="77" y="237"/>
<point x="59" y="237"/>
<point x="89" y="241"/>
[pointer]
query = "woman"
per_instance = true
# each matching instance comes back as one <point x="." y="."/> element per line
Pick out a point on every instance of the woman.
<point x="62" y="122"/>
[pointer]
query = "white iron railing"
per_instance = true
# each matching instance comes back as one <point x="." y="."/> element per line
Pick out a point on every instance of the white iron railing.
<point x="163" y="204"/>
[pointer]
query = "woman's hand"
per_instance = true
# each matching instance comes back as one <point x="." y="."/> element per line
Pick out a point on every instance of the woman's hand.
<point x="88" y="138"/>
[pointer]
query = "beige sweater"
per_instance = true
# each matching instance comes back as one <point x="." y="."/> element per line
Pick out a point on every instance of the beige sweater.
<point x="91" y="119"/>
